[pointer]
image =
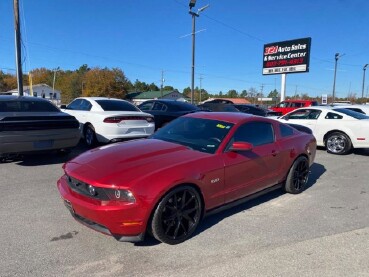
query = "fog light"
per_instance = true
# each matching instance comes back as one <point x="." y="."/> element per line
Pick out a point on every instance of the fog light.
<point x="91" y="190"/>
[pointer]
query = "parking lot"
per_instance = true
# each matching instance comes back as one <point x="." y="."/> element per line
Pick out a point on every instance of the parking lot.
<point x="322" y="232"/>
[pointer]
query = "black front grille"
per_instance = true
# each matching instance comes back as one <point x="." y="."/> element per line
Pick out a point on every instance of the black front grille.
<point x="82" y="188"/>
<point x="38" y="123"/>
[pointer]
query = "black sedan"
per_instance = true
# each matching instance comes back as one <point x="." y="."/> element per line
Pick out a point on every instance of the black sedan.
<point x="165" y="110"/>
<point x="29" y="124"/>
<point x="255" y="110"/>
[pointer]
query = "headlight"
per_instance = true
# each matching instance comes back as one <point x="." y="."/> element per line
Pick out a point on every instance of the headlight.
<point x="120" y="195"/>
<point x="92" y="190"/>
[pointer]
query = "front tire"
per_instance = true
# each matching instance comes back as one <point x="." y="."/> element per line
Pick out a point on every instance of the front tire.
<point x="297" y="176"/>
<point x="177" y="215"/>
<point x="338" y="143"/>
<point x="90" y="136"/>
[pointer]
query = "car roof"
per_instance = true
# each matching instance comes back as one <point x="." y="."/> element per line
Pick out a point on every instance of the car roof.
<point x="296" y="100"/>
<point x="173" y="103"/>
<point x="21" y="98"/>
<point x="100" y="98"/>
<point x="323" y="108"/>
<point x="224" y="116"/>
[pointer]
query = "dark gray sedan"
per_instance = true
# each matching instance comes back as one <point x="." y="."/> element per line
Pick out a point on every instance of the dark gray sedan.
<point x="31" y="124"/>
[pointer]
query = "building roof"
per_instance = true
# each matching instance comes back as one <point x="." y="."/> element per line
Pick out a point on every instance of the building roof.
<point x="233" y="100"/>
<point x="33" y="87"/>
<point x="149" y="94"/>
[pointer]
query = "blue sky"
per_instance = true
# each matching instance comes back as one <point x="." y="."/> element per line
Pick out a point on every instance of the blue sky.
<point x="143" y="37"/>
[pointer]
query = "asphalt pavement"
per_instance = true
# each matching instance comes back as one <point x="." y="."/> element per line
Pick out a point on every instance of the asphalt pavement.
<point x="322" y="232"/>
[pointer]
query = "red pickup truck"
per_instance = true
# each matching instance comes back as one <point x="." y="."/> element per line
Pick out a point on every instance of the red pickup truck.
<point x="290" y="105"/>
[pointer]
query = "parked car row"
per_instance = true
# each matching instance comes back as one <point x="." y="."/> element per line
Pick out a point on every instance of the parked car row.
<point x="103" y="120"/>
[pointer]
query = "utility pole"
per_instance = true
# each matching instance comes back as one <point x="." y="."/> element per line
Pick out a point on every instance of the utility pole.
<point x="194" y="15"/>
<point x="336" y="57"/>
<point x="200" y="87"/>
<point x="362" y="91"/>
<point x="55" y="70"/>
<point x="162" y="83"/>
<point x="18" y="58"/>
<point x="261" y="89"/>
<point x="295" y="92"/>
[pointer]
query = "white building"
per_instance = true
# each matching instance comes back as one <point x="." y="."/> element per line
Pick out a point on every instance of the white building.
<point x="40" y="90"/>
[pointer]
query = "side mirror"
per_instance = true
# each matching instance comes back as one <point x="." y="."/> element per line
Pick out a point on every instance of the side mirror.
<point x="63" y="106"/>
<point x="239" y="146"/>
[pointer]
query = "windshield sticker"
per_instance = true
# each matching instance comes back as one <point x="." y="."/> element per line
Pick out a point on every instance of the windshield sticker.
<point x="221" y="126"/>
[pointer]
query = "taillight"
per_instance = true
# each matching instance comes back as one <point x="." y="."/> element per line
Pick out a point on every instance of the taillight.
<point x="113" y="119"/>
<point x="118" y="119"/>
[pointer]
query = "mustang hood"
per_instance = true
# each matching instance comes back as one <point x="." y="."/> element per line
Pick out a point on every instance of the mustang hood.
<point x="118" y="164"/>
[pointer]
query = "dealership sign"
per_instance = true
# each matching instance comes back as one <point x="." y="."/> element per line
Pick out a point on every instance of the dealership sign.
<point x="290" y="56"/>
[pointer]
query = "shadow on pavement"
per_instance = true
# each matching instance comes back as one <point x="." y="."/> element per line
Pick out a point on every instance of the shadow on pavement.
<point x="317" y="170"/>
<point x="48" y="158"/>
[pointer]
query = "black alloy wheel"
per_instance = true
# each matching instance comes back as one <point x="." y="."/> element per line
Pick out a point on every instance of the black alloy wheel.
<point x="177" y="215"/>
<point x="338" y="143"/>
<point x="90" y="136"/>
<point x="298" y="176"/>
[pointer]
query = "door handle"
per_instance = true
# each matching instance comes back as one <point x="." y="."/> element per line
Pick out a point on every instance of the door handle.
<point x="274" y="153"/>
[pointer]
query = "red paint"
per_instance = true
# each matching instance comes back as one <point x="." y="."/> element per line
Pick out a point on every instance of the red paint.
<point x="150" y="168"/>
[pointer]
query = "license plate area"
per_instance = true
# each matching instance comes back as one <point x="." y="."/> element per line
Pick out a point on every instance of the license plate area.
<point x="43" y="144"/>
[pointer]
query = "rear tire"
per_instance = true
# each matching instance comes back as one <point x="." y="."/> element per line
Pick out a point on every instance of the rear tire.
<point x="338" y="143"/>
<point x="297" y="176"/>
<point x="177" y="215"/>
<point x="90" y="136"/>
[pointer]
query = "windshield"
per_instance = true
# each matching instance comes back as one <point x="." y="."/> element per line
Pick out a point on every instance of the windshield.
<point x="27" y="106"/>
<point x="199" y="134"/>
<point x="117" y="105"/>
<point x="351" y="113"/>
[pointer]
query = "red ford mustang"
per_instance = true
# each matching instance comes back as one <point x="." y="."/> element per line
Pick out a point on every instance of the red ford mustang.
<point x="197" y="164"/>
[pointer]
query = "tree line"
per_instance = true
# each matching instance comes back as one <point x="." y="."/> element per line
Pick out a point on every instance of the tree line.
<point x="112" y="82"/>
<point x="84" y="81"/>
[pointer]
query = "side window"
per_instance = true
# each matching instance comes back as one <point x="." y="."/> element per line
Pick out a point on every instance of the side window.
<point x="333" y="116"/>
<point x="305" y="114"/>
<point x="257" y="133"/>
<point x="286" y="131"/>
<point x="85" y="105"/>
<point x="75" y="105"/>
<point x="146" y="106"/>
<point x="300" y="114"/>
<point x="158" y="107"/>
<point x="297" y="105"/>
<point x="355" y="110"/>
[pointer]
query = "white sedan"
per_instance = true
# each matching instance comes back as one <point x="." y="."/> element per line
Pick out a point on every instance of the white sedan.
<point x="338" y="129"/>
<point x="108" y="119"/>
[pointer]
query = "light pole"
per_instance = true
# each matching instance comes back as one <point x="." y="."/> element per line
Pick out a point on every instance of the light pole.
<point x="336" y="57"/>
<point x="55" y="70"/>
<point x="362" y="91"/>
<point x="194" y="15"/>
